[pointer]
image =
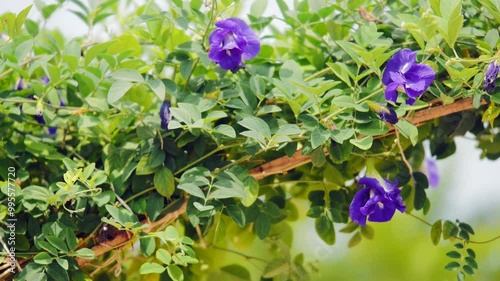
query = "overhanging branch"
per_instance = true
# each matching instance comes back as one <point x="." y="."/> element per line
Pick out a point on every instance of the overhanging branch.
<point x="284" y="164"/>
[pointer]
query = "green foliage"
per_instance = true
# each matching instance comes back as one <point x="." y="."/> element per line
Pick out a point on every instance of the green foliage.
<point x="226" y="172"/>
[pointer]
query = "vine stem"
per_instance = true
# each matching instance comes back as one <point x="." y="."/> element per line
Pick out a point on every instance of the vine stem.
<point x="198" y="160"/>
<point x="25" y="62"/>
<point x="240" y="254"/>
<point x="318" y="74"/>
<point x="401" y="150"/>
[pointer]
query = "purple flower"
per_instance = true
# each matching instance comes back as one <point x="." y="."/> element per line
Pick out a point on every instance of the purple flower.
<point x="165" y="116"/>
<point x="20" y="85"/>
<point x="491" y="76"/>
<point x="232" y="41"/>
<point x="403" y="74"/>
<point x="39" y="113"/>
<point x="376" y="202"/>
<point x="430" y="169"/>
<point x="386" y="113"/>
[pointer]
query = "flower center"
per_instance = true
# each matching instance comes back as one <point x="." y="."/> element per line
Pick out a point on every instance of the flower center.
<point x="405" y="67"/>
<point x="229" y="42"/>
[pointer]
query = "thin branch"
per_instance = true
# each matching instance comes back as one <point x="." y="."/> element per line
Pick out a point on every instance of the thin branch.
<point x="284" y="164"/>
<point x="402" y="152"/>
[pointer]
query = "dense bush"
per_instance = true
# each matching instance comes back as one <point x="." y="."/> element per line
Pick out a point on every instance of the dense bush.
<point x="197" y="130"/>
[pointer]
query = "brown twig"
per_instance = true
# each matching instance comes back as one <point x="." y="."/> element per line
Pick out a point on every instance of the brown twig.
<point x="284" y="164"/>
<point x="124" y="237"/>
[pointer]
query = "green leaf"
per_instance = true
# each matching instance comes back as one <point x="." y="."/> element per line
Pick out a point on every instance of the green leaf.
<point x="355" y="240"/>
<point x="118" y="90"/>
<point x="201" y="207"/>
<point x="57" y="242"/>
<point x="96" y="50"/>
<point x="315" y="211"/>
<point x="275" y="268"/>
<point x="448" y="227"/>
<point x="471" y="262"/>
<point x="364" y="143"/>
<point x="468" y="269"/>
<point x="452" y="266"/>
<point x="290" y="70"/>
<point x="466" y="227"/>
<point x="263" y="225"/>
<point x="436" y="231"/>
<point x="471" y="253"/>
<point x="319" y="137"/>
<point x="227" y="189"/>
<point x="256" y="125"/>
<point x="55" y="271"/>
<point x="343" y="102"/>
<point x="151" y="267"/>
<point x="85" y="253"/>
<point x="63" y="263"/>
<point x="171" y="233"/>
<point x="175" y="273"/>
<point x="492" y="7"/>
<point x="318" y="157"/>
<point x="43" y="258"/>
<point x="225" y="130"/>
<point x="237" y="214"/>
<point x="123" y="216"/>
<point x="464" y="234"/>
<point x="163" y="256"/>
<point x="367" y="232"/>
<point x="408" y="130"/>
<point x="143" y="168"/>
<point x="325" y="230"/>
<point x="154" y="206"/>
<point x="148" y="246"/>
<point x="420" y="197"/>
<point x="158" y="88"/>
<point x="351" y="227"/>
<point x="21" y="17"/>
<point x="164" y="182"/>
<point x="452" y="21"/>
<point x="454" y="254"/>
<point x="192" y="189"/>
<point x="374" y="128"/>
<point x="339" y="153"/>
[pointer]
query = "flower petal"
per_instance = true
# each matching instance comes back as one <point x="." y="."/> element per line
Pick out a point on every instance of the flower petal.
<point x="229" y="59"/>
<point x="432" y="172"/>
<point x="401" y="61"/>
<point x="390" y="92"/>
<point x="384" y="212"/>
<point x="359" y="200"/>
<point x="165" y="115"/>
<point x="490" y="76"/>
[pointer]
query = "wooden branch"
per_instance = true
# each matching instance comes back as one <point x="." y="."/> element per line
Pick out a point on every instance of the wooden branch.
<point x="125" y="237"/>
<point x="284" y="164"/>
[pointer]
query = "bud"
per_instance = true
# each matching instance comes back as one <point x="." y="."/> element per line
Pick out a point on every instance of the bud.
<point x="386" y="113"/>
<point x="19" y="85"/>
<point x="165" y="116"/>
<point x="491" y="76"/>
